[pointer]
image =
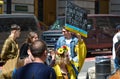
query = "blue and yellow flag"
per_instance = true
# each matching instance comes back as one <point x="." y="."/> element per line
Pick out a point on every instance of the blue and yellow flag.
<point x="76" y="19"/>
<point x="76" y="30"/>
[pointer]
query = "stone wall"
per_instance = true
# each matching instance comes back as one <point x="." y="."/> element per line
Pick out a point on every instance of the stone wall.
<point x="21" y="6"/>
<point x="114" y="7"/>
<point x="87" y="4"/>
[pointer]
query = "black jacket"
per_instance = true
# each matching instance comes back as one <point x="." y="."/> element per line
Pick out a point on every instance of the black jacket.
<point x="23" y="50"/>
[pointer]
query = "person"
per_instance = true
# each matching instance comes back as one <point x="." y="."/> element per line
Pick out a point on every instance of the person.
<point x="63" y="66"/>
<point x="24" y="50"/>
<point x="10" y="51"/>
<point x="114" y="42"/>
<point x="115" y="74"/>
<point x="117" y="51"/>
<point x="36" y="69"/>
<point x="77" y="51"/>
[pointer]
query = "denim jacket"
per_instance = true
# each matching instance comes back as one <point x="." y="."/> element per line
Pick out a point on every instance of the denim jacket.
<point x="61" y="41"/>
<point x="78" y="51"/>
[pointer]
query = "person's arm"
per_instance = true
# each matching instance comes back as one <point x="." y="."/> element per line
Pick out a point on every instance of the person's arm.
<point x="53" y="54"/>
<point x="58" y="43"/>
<point x="5" y="49"/>
<point x="79" y="37"/>
<point x="23" y="50"/>
<point x="81" y="51"/>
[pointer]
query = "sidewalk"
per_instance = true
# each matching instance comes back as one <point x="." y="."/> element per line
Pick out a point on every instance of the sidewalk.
<point x="82" y="75"/>
<point x="89" y="73"/>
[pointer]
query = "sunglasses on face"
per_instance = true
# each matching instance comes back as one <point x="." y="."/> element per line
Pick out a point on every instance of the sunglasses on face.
<point x="65" y="31"/>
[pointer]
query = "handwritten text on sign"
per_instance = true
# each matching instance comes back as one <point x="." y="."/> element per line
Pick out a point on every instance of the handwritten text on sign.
<point x="76" y="15"/>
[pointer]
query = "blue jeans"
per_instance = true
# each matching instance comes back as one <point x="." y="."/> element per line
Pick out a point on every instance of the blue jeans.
<point x="116" y="65"/>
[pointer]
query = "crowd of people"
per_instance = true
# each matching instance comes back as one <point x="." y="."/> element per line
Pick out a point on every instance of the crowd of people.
<point x="31" y="59"/>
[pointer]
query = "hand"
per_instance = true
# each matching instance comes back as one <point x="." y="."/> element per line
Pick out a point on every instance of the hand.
<point x="53" y="55"/>
<point x="79" y="37"/>
<point x="27" y="60"/>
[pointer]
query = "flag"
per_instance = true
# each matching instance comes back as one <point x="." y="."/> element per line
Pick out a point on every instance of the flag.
<point x="76" y="30"/>
<point x="76" y="19"/>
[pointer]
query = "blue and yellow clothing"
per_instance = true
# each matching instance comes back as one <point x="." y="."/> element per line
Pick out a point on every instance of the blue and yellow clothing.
<point x="58" y="72"/>
<point x="9" y="54"/>
<point x="81" y="52"/>
<point x="77" y="49"/>
<point x="61" y="42"/>
<point x="10" y="49"/>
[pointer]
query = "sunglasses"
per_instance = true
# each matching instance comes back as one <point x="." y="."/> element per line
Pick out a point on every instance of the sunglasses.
<point x="66" y="31"/>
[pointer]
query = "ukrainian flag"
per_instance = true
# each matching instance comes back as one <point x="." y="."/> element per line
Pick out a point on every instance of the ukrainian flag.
<point x="76" y="30"/>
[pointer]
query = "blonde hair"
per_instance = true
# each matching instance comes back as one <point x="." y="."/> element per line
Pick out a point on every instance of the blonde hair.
<point x="62" y="59"/>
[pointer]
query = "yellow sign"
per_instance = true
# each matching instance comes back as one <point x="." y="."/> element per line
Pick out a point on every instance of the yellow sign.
<point x="1" y="2"/>
<point x="1" y="7"/>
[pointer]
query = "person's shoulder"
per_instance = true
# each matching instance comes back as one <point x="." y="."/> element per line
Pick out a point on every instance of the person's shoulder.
<point x="45" y="68"/>
<point x="61" y="38"/>
<point x="49" y="68"/>
<point x="117" y="44"/>
<point x="19" y="70"/>
<point x="25" y="45"/>
<point x="75" y="38"/>
<point x="116" y="34"/>
<point x="8" y="40"/>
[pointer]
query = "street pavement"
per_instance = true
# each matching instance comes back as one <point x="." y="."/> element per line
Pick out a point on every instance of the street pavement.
<point x="89" y="62"/>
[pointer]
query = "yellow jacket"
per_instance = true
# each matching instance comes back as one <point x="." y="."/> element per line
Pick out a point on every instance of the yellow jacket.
<point x="81" y="51"/>
<point x="59" y="74"/>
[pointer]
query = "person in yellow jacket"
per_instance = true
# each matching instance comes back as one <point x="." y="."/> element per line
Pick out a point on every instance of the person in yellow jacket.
<point x="77" y="49"/>
<point x="63" y="66"/>
<point x="10" y="52"/>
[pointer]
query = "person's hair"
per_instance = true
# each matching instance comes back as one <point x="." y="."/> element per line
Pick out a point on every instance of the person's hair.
<point x="62" y="59"/>
<point x="38" y="48"/>
<point x="15" y="27"/>
<point x="30" y="36"/>
<point x="118" y="27"/>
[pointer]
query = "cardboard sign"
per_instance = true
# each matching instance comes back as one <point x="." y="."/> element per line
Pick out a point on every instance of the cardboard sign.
<point x="76" y="19"/>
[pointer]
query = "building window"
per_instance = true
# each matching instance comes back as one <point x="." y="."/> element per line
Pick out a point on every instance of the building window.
<point x="40" y="10"/>
<point x="21" y="8"/>
<point x="1" y="9"/>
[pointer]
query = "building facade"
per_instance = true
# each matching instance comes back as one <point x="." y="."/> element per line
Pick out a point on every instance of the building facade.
<point x="19" y="6"/>
<point x="114" y="7"/>
<point x="48" y="11"/>
<point x="87" y="4"/>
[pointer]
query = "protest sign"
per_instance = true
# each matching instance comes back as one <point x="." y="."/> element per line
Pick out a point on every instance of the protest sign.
<point x="76" y="19"/>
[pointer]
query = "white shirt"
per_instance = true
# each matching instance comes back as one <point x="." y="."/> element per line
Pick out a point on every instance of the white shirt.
<point x="114" y="41"/>
<point x="68" y="44"/>
<point x="75" y="59"/>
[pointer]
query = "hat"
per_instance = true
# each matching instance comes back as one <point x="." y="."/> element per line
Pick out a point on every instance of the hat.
<point x="15" y="27"/>
<point x="118" y="27"/>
